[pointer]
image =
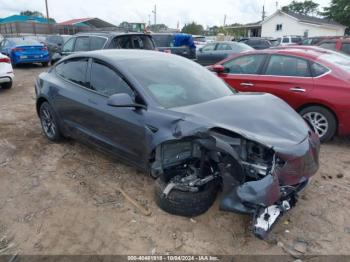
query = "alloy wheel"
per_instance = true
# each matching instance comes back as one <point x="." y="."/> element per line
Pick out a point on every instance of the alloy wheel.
<point x="318" y="121"/>
<point x="48" y="123"/>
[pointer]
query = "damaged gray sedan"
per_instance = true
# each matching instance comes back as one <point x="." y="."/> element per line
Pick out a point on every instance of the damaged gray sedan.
<point x="173" y="118"/>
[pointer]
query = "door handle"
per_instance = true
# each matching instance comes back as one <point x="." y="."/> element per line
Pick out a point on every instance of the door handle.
<point x="297" y="90"/>
<point x="247" y="84"/>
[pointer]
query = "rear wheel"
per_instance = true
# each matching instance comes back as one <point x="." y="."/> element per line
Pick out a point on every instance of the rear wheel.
<point x="7" y="85"/>
<point x="49" y="122"/>
<point x="322" y="120"/>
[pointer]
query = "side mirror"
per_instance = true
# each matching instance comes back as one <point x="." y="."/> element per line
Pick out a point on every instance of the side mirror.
<point x="123" y="100"/>
<point x="218" y="69"/>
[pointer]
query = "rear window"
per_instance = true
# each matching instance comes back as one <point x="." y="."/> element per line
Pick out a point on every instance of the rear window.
<point x="20" y="41"/>
<point x="163" y="40"/>
<point x="55" y="39"/>
<point x="132" y="42"/>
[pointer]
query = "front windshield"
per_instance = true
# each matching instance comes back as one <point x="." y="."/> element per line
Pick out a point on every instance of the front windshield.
<point x="341" y="60"/>
<point x="175" y="81"/>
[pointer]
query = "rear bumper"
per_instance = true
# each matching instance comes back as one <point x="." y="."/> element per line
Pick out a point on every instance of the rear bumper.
<point x="5" y="79"/>
<point x="41" y="59"/>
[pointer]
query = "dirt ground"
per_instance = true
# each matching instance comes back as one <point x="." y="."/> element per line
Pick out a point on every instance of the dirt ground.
<point x="62" y="199"/>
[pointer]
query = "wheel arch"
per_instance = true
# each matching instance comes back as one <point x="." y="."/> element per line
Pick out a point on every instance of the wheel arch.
<point x="39" y="102"/>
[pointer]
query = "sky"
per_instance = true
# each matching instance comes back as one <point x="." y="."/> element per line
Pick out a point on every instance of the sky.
<point x="169" y="12"/>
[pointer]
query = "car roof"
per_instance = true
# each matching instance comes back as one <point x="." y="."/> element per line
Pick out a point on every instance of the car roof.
<point x="116" y="56"/>
<point x="309" y="52"/>
<point x="108" y="33"/>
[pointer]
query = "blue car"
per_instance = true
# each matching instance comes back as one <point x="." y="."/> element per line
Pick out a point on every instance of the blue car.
<point x="22" y="50"/>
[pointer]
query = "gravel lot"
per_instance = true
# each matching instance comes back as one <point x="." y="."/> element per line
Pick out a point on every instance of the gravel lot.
<point x="62" y="199"/>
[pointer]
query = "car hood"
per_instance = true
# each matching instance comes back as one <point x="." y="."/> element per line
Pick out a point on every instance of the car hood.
<point x="263" y="118"/>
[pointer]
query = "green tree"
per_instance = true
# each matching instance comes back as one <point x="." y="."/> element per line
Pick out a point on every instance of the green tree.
<point x="32" y="13"/>
<point x="339" y="10"/>
<point x="308" y="7"/>
<point x="193" y="29"/>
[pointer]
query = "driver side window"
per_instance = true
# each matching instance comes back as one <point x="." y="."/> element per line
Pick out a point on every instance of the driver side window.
<point x="249" y="64"/>
<point x="106" y="81"/>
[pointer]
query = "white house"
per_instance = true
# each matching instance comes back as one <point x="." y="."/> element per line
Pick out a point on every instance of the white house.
<point x="288" y="23"/>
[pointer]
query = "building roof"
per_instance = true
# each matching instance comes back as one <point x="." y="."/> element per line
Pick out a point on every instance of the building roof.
<point x="23" y="18"/>
<point x="90" y="22"/>
<point x="307" y="19"/>
<point x="249" y="25"/>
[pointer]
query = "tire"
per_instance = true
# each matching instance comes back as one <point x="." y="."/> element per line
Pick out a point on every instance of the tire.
<point x="7" y="85"/>
<point x="326" y="127"/>
<point x="45" y="64"/>
<point x="187" y="204"/>
<point x="49" y="123"/>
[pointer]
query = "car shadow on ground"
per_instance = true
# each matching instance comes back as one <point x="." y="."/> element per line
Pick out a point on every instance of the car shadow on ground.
<point x="29" y="66"/>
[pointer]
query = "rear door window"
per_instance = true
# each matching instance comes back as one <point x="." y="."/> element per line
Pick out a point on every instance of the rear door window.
<point x="82" y="44"/>
<point x="249" y="64"/>
<point x="106" y="81"/>
<point x="318" y="69"/>
<point x="97" y="43"/>
<point x="279" y="65"/>
<point x="73" y="70"/>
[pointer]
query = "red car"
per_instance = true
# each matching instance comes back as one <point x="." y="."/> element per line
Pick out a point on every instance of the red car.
<point x="314" y="81"/>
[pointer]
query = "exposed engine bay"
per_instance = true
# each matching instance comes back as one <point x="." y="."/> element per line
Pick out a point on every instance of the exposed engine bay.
<point x="245" y="170"/>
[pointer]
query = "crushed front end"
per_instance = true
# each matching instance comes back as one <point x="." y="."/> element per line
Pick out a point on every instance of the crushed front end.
<point x="256" y="179"/>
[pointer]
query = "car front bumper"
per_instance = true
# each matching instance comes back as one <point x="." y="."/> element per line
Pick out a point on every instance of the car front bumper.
<point x="268" y="198"/>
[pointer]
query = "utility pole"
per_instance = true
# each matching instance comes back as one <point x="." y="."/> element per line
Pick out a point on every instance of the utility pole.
<point x="276" y="5"/>
<point x="47" y="16"/>
<point x="155" y="14"/>
<point x="263" y="13"/>
<point x="149" y="20"/>
<point x="225" y="16"/>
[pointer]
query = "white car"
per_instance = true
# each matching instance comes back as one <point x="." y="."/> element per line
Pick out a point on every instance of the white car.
<point x="290" y="40"/>
<point x="6" y="72"/>
<point x="199" y="41"/>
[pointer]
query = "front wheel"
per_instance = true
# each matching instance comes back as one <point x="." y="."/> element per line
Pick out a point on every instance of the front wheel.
<point x="187" y="204"/>
<point x="49" y="122"/>
<point x="322" y="120"/>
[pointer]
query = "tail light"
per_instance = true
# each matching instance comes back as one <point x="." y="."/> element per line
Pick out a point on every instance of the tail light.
<point x="17" y="49"/>
<point x="44" y="48"/>
<point x="5" y="60"/>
